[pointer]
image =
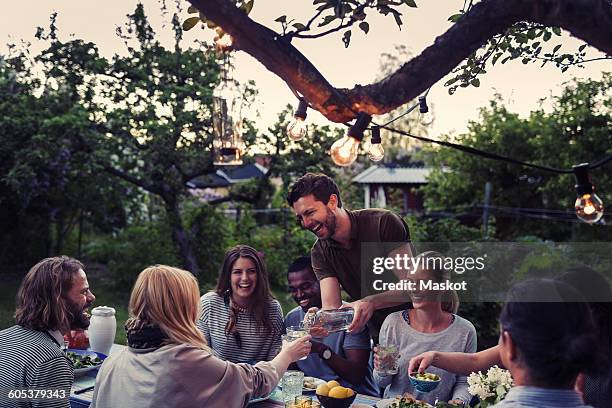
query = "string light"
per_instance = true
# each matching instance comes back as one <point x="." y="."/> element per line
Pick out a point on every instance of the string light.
<point x="223" y="41"/>
<point x="344" y="151"/>
<point x="425" y="116"/>
<point x="376" y="152"/>
<point x="589" y="207"/>
<point x="297" y="128"/>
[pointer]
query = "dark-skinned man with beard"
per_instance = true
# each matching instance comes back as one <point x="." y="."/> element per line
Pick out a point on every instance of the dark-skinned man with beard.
<point x="53" y="299"/>
<point x="347" y="243"/>
<point x="340" y="356"/>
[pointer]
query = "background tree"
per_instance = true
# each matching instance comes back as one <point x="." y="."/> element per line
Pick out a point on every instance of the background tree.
<point x="48" y="184"/>
<point x="150" y="112"/>
<point x="575" y="131"/>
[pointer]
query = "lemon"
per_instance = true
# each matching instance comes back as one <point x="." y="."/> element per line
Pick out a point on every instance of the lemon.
<point x="349" y="393"/>
<point x="323" y="390"/>
<point x="333" y="383"/>
<point x="337" y="392"/>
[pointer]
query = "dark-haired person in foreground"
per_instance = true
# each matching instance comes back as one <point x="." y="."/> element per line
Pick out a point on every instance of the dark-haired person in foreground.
<point x="340" y="356"/>
<point x="337" y="253"/>
<point x="52" y="300"/>
<point x="546" y="342"/>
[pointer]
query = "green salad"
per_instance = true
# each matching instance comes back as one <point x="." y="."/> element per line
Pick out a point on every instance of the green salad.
<point x="83" y="361"/>
<point x="426" y="376"/>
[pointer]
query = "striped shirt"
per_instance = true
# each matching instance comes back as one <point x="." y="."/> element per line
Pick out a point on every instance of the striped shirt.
<point x="257" y="345"/>
<point x="531" y="397"/>
<point x="31" y="358"/>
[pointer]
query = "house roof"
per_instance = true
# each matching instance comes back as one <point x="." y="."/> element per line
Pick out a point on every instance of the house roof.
<point x="228" y="176"/>
<point x="242" y="173"/>
<point x="393" y="175"/>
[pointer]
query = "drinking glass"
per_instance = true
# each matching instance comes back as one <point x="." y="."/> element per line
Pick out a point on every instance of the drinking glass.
<point x="294" y="333"/>
<point x="387" y="359"/>
<point x="292" y="383"/>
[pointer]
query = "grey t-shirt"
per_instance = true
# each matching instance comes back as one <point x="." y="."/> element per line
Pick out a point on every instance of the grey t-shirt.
<point x="460" y="336"/>
<point x="314" y="366"/>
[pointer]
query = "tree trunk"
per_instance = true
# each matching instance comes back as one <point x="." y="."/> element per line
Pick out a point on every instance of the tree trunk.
<point x="180" y="238"/>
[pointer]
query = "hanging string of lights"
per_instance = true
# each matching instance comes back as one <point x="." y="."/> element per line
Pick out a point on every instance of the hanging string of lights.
<point x="588" y="207"/>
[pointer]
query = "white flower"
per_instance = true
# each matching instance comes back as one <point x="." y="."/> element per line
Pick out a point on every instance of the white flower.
<point x="488" y="385"/>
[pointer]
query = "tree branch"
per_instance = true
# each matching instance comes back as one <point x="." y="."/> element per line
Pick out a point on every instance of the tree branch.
<point x="131" y="179"/>
<point x="589" y="20"/>
<point x="349" y="23"/>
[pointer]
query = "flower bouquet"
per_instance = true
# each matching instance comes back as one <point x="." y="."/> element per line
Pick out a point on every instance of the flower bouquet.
<point x="491" y="387"/>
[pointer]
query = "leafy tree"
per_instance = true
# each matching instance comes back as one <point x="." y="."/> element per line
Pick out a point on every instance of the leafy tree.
<point x="576" y="131"/>
<point x="47" y="182"/>
<point x="149" y="111"/>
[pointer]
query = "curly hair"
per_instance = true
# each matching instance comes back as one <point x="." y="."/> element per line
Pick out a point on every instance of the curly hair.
<point x="42" y="302"/>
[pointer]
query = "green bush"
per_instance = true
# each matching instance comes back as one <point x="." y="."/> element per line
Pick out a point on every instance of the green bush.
<point x="280" y="244"/>
<point x="127" y="253"/>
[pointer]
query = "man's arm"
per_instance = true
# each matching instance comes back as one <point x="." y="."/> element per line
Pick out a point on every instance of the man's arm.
<point x="364" y="308"/>
<point x="330" y="293"/>
<point x="353" y="368"/>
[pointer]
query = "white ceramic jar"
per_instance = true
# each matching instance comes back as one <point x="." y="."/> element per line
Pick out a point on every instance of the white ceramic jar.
<point x="102" y="328"/>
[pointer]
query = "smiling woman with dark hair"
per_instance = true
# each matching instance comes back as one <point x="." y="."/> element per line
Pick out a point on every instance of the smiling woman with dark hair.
<point x="241" y="320"/>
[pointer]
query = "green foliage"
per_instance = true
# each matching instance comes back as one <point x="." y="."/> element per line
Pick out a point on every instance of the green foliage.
<point x="444" y="230"/>
<point x="484" y="316"/>
<point x="47" y="178"/>
<point x="210" y="233"/>
<point x="127" y="253"/>
<point x="280" y="244"/>
<point x="576" y="131"/>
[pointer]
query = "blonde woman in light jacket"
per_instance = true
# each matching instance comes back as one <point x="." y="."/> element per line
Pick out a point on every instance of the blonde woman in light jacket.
<point x="168" y="362"/>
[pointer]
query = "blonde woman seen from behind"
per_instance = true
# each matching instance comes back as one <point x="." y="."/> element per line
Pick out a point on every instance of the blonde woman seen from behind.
<point x="168" y="362"/>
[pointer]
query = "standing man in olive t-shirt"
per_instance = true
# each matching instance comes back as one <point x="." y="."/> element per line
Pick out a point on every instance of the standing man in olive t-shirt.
<point x="336" y="255"/>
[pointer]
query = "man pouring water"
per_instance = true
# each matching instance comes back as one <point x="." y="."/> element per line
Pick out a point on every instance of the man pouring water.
<point x="337" y="253"/>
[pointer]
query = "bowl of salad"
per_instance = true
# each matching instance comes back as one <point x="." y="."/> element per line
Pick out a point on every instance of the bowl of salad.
<point x="424" y="382"/>
<point x="84" y="361"/>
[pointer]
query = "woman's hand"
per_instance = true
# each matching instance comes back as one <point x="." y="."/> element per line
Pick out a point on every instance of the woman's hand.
<point x="376" y="359"/>
<point x="297" y="349"/>
<point x="421" y="362"/>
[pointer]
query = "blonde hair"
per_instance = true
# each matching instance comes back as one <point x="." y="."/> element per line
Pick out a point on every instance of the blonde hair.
<point x="170" y="298"/>
<point x="450" y="298"/>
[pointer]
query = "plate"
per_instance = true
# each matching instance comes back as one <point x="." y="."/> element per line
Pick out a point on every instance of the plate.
<point x="385" y="403"/>
<point x="82" y="371"/>
<point x="305" y="390"/>
<point x="315" y="381"/>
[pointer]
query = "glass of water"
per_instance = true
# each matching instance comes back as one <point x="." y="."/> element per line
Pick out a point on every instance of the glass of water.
<point x="292" y="383"/>
<point x="387" y="359"/>
<point x="294" y="333"/>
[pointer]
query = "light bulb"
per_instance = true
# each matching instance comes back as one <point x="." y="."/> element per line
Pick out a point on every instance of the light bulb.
<point x="223" y="42"/>
<point x="376" y="152"/>
<point x="426" y="118"/>
<point x="344" y="151"/>
<point x="297" y="129"/>
<point x="589" y="208"/>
